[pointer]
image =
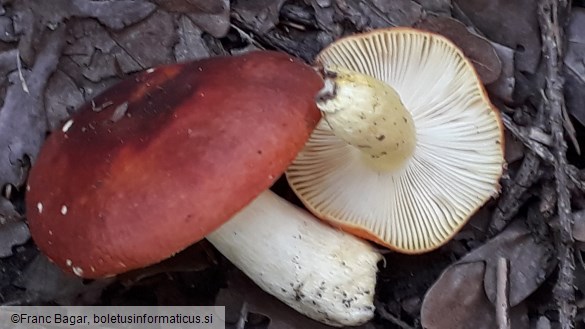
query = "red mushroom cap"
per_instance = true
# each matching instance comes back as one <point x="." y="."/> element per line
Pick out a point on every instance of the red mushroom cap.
<point x="160" y="160"/>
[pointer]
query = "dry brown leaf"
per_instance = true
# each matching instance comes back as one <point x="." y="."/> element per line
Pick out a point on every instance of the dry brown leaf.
<point x="44" y="282"/>
<point x="12" y="233"/>
<point x="149" y="42"/>
<point x="218" y="24"/>
<point x="8" y="212"/>
<point x="503" y="88"/>
<point x="579" y="226"/>
<point x="511" y="23"/>
<point x="436" y="6"/>
<point x="575" y="65"/>
<point x="22" y="118"/>
<point x="212" y="17"/>
<point x="531" y="261"/>
<point x="514" y="148"/>
<point x="62" y="97"/>
<point x="371" y="14"/>
<point x="325" y="18"/>
<point x="7" y="33"/>
<point x="196" y="6"/>
<point x="467" y="289"/>
<point x="7" y="62"/>
<point x="115" y="14"/>
<point x="96" y="54"/>
<point x="458" y="301"/>
<point x="191" y="45"/>
<point x="259" y="15"/>
<point x="476" y="48"/>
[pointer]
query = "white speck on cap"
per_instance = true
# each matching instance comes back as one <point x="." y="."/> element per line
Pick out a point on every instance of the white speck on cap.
<point x="64" y="210"/>
<point x="150" y="70"/>
<point x="77" y="270"/>
<point x="40" y="207"/>
<point x="68" y="262"/>
<point x="67" y="125"/>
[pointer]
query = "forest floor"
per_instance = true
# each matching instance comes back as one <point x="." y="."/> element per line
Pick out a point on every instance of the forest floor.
<point x="56" y="55"/>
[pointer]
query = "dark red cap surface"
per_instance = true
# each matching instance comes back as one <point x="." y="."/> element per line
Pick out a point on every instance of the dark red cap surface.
<point x="173" y="153"/>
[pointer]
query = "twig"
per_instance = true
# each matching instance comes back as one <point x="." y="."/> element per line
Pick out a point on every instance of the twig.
<point x="542" y="151"/>
<point x="510" y="201"/>
<point x="502" y="289"/>
<point x="241" y="324"/>
<point x="247" y="36"/>
<point x="20" y="75"/>
<point x="538" y="148"/>
<point x="564" y="291"/>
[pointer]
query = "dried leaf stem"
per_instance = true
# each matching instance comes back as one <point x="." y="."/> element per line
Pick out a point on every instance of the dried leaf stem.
<point x="502" y="293"/>
<point x="549" y="14"/>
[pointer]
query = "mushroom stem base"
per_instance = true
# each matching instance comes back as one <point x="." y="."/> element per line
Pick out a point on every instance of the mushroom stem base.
<point x="305" y="263"/>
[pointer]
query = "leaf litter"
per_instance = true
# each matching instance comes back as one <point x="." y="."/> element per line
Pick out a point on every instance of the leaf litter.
<point x="55" y="56"/>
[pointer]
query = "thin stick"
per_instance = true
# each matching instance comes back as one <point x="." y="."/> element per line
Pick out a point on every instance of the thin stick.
<point x="502" y="290"/>
<point x="241" y="324"/>
<point x="551" y="30"/>
<point x="512" y="197"/>
<point x="542" y="151"/>
<point x="20" y="75"/>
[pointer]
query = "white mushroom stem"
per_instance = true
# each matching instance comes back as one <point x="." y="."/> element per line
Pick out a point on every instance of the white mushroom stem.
<point x="321" y="272"/>
<point x="369" y="115"/>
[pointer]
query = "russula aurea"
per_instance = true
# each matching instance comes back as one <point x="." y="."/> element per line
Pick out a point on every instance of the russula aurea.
<point x="162" y="159"/>
<point x="409" y="146"/>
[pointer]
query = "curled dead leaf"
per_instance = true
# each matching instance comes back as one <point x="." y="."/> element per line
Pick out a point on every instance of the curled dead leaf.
<point x="476" y="48"/>
<point x="42" y="281"/>
<point x="467" y="289"/>
<point x="115" y="14"/>
<point x="459" y="293"/>
<point x="216" y="24"/>
<point x="12" y="234"/>
<point x="579" y="226"/>
<point x="191" y="45"/>
<point x="149" y="42"/>
<point x="196" y="6"/>
<point x="22" y="118"/>
<point x="211" y="16"/>
<point x="575" y="65"/>
<point x="380" y="13"/>
<point x="511" y="23"/>
<point x="503" y="87"/>
<point x="531" y="261"/>
<point x="458" y="301"/>
<point x="260" y="15"/>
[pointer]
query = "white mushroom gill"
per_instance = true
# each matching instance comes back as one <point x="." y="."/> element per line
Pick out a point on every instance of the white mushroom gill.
<point x="322" y="272"/>
<point x="411" y="198"/>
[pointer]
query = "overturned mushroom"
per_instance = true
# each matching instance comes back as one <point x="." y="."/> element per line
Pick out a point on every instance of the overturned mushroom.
<point x="409" y="146"/>
<point x="160" y="160"/>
